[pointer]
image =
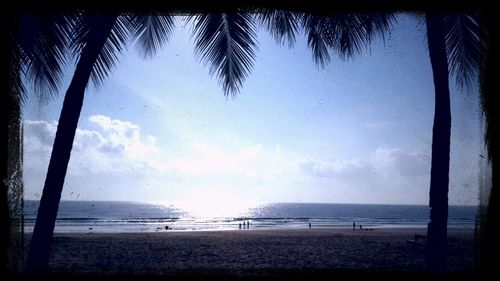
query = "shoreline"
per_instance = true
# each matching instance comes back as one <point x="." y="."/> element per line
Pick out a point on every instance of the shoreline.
<point x="396" y="231"/>
<point x="248" y="252"/>
<point x="385" y="229"/>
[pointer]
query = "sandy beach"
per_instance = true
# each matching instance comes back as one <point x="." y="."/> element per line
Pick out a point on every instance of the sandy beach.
<point x="250" y="252"/>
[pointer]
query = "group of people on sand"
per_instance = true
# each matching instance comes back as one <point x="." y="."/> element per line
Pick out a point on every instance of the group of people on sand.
<point x="246" y="225"/>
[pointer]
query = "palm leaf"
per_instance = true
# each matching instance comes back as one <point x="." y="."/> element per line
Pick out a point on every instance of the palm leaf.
<point x="283" y="25"/>
<point x="463" y="47"/>
<point x="152" y="32"/>
<point x="42" y="43"/>
<point x="345" y="33"/>
<point x="316" y="38"/>
<point x="114" y="45"/>
<point x="227" y="42"/>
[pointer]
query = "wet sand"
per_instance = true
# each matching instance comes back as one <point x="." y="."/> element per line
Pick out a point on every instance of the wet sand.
<point x="251" y="252"/>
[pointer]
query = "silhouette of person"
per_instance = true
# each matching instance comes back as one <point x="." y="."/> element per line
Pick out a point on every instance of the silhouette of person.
<point x="248" y="225"/>
<point x="360" y="227"/>
<point x="309" y="225"/>
<point x="240" y="225"/>
<point x="353" y="225"/>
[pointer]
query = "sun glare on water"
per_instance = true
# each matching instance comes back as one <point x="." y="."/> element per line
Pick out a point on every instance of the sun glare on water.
<point x="214" y="205"/>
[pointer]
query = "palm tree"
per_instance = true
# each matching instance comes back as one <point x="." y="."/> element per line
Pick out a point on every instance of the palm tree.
<point x="488" y="238"/>
<point x="441" y="134"/>
<point x="223" y="40"/>
<point x="35" y="45"/>
<point x="454" y="43"/>
<point x="93" y="33"/>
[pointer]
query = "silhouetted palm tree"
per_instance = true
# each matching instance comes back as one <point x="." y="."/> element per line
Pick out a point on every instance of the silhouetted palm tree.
<point x="226" y="41"/>
<point x="35" y="45"/>
<point x="97" y="38"/>
<point x="489" y="228"/>
<point x="455" y="47"/>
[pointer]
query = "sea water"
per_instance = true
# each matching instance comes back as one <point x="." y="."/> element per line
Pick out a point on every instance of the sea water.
<point x="112" y="216"/>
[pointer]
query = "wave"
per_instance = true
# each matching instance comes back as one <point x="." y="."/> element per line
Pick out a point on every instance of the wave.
<point x="82" y="216"/>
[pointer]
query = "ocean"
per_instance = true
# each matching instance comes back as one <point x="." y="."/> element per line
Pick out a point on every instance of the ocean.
<point x="114" y="216"/>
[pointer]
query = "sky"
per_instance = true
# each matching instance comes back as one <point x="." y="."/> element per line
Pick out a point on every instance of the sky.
<point x="357" y="131"/>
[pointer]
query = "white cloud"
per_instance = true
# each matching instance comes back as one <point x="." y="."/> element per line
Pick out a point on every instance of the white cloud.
<point x="125" y="136"/>
<point x="44" y="131"/>
<point x="383" y="176"/>
<point x="117" y="147"/>
<point x="383" y="162"/>
<point x="205" y="159"/>
<point x="343" y="169"/>
<point x="104" y="163"/>
<point x="402" y="163"/>
<point x="117" y="155"/>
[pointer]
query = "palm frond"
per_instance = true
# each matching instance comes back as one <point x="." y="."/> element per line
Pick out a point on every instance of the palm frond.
<point x="316" y="38"/>
<point x="283" y="25"/>
<point x="15" y="86"/>
<point x="488" y="82"/>
<point x="115" y="44"/>
<point x="42" y="41"/>
<point x="227" y="42"/>
<point x="344" y="33"/>
<point x="463" y="47"/>
<point x="152" y="32"/>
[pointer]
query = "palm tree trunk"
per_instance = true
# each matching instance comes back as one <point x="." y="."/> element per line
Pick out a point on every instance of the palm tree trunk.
<point x="441" y="133"/>
<point x="489" y="228"/>
<point x="11" y="181"/>
<point x="4" y="175"/>
<point x="38" y="256"/>
<point x="15" y="185"/>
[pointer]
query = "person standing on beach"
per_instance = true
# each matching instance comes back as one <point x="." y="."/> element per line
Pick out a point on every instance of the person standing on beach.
<point x="240" y="225"/>
<point x="354" y="225"/>
<point x="248" y="225"/>
<point x="309" y="225"/>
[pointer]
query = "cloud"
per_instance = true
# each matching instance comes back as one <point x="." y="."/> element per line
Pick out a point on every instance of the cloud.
<point x="389" y="162"/>
<point x="383" y="176"/>
<point x="113" y="161"/>
<point x="343" y="169"/>
<point x="117" y="155"/>
<point x="401" y="162"/>
<point x="44" y="132"/>
<point x="125" y="136"/>
<point x="203" y="159"/>
<point x="117" y="147"/>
